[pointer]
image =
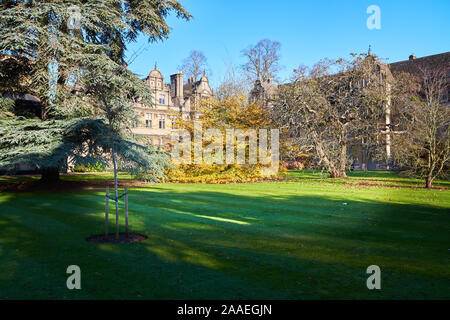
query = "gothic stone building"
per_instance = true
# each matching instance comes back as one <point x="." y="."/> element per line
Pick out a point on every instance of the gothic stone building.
<point x="170" y="100"/>
<point x="414" y="66"/>
<point x="264" y="91"/>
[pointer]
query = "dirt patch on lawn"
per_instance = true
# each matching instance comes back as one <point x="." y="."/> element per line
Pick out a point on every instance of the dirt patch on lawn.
<point x="370" y="184"/>
<point x="64" y="186"/>
<point x="67" y="186"/>
<point x="111" y="238"/>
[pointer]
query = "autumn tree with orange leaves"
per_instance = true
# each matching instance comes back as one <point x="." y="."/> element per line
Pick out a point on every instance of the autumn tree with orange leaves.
<point x="231" y="112"/>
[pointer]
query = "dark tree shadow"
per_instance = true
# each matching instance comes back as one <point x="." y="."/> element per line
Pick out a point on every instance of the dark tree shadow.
<point x="213" y="245"/>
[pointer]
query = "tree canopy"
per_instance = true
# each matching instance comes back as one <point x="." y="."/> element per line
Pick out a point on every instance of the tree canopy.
<point x="263" y="60"/>
<point x="40" y="32"/>
<point x="78" y="72"/>
<point x="333" y="105"/>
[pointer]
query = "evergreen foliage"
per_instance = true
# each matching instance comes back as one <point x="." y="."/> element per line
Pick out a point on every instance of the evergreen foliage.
<point x="61" y="143"/>
<point x="78" y="74"/>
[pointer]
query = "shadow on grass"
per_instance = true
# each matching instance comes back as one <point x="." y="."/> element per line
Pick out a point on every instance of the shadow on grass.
<point x="69" y="183"/>
<point x="215" y="245"/>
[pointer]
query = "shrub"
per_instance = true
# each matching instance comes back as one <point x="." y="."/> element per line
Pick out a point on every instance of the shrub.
<point x="224" y="173"/>
<point x="299" y="162"/>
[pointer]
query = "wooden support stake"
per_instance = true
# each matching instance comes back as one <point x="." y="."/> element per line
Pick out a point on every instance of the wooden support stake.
<point x="126" y="210"/>
<point x="106" y="211"/>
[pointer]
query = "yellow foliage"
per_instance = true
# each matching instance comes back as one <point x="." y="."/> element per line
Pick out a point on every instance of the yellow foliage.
<point x="234" y="113"/>
<point x="218" y="173"/>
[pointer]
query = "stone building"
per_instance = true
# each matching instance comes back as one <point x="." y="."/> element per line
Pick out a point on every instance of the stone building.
<point x="362" y="159"/>
<point x="170" y="100"/>
<point x="155" y="124"/>
<point x="414" y="66"/>
<point x="262" y="91"/>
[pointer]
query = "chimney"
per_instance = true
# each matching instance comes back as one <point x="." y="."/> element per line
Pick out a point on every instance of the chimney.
<point x="176" y="84"/>
<point x="412" y="57"/>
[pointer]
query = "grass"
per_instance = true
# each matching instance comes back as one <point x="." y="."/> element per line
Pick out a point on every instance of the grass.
<point x="308" y="238"/>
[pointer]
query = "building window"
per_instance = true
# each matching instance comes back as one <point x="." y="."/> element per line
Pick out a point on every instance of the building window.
<point x="162" y="121"/>
<point x="162" y="99"/>
<point x="446" y="96"/>
<point x="148" y="120"/>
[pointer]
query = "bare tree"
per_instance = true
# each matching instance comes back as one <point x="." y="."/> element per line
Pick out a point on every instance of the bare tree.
<point x="263" y="60"/>
<point x="233" y="84"/>
<point x="423" y="147"/>
<point x="336" y="104"/>
<point x="194" y="65"/>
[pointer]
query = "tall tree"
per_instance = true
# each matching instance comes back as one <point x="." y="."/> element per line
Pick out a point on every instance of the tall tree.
<point x="263" y="60"/>
<point x="39" y="31"/>
<point x="59" y="55"/>
<point x="194" y="65"/>
<point x="423" y="146"/>
<point x="110" y="88"/>
<point x="113" y="89"/>
<point x="334" y="105"/>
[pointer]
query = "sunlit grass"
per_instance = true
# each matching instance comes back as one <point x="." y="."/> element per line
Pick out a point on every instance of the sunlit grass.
<point x="306" y="238"/>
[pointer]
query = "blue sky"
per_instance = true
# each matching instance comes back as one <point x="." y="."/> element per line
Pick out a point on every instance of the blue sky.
<point x="307" y="31"/>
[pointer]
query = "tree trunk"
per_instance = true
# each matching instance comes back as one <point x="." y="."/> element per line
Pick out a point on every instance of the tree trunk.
<point x="337" y="174"/>
<point x="342" y="161"/>
<point x="329" y="166"/>
<point x="388" y="127"/>
<point x="430" y="169"/>
<point x="428" y="182"/>
<point x="115" y="190"/>
<point x="333" y="174"/>
<point x="43" y="111"/>
<point x="50" y="175"/>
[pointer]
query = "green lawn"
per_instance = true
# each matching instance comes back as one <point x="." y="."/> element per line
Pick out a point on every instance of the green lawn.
<point x="308" y="238"/>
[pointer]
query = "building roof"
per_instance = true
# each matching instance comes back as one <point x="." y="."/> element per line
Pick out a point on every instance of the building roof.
<point x="155" y="73"/>
<point x="262" y="90"/>
<point x="192" y="87"/>
<point x="413" y="64"/>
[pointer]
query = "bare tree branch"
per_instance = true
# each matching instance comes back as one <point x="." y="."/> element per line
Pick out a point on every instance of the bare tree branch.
<point x="262" y="60"/>
<point x="194" y="65"/>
